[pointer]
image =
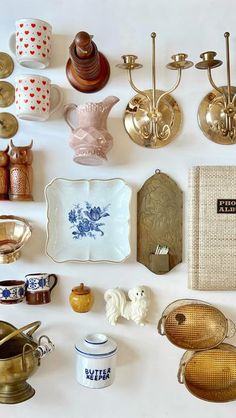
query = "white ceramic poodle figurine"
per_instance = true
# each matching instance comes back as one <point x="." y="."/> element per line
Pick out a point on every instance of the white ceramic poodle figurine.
<point x="136" y="308"/>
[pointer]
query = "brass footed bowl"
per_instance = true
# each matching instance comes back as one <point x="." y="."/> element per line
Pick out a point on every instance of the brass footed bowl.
<point x="18" y="361"/>
<point x="14" y="233"/>
<point x="210" y="375"/>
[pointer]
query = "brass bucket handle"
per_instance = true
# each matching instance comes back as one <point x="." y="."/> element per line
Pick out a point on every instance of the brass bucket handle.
<point x="33" y="326"/>
<point x="27" y="345"/>
<point x="231" y="329"/>
<point x="161" y="326"/>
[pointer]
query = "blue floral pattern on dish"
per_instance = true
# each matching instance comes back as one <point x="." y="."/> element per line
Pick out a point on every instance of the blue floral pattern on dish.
<point x="85" y="220"/>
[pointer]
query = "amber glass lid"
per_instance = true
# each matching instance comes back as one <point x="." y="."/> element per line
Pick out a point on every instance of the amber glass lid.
<point x="81" y="289"/>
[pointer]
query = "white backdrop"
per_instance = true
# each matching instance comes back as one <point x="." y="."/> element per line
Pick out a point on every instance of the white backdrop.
<point x="146" y="384"/>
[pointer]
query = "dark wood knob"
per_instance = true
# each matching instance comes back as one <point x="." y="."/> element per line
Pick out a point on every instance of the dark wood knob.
<point x="83" y="44"/>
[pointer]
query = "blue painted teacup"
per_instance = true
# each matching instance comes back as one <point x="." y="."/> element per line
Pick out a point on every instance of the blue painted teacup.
<point x="12" y="291"/>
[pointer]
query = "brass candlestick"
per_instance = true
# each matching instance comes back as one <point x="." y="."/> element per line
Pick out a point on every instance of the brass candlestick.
<point x="153" y="117"/>
<point x="216" y="113"/>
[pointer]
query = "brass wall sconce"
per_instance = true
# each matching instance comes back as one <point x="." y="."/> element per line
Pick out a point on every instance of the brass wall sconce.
<point x="152" y="117"/>
<point x="217" y="110"/>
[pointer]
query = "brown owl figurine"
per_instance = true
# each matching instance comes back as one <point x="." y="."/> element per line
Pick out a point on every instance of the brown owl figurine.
<point x="21" y="173"/>
<point x="4" y="174"/>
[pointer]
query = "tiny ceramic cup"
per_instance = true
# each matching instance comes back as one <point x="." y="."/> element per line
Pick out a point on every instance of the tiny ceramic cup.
<point x="39" y="287"/>
<point x="12" y="291"/>
<point x="32" y="43"/>
<point x="35" y="97"/>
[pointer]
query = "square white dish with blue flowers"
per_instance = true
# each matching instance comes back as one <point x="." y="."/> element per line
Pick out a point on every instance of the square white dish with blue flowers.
<point x="88" y="220"/>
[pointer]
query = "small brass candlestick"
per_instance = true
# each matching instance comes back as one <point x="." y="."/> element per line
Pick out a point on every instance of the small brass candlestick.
<point x="217" y="110"/>
<point x="153" y="117"/>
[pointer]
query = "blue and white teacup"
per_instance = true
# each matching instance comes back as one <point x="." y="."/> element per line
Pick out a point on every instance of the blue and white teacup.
<point x="39" y="287"/>
<point x="12" y="291"/>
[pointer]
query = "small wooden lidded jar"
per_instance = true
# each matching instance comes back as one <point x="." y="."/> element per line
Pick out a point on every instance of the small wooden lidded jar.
<point x="81" y="298"/>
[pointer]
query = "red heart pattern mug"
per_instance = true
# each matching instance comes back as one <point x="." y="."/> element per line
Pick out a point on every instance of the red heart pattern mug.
<point x="32" y="43"/>
<point x="35" y="97"/>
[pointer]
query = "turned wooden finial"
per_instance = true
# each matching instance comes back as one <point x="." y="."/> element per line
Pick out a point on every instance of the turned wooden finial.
<point x="83" y="44"/>
<point x="87" y="69"/>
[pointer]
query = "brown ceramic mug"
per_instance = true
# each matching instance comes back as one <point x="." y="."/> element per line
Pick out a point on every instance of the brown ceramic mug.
<point x="39" y="287"/>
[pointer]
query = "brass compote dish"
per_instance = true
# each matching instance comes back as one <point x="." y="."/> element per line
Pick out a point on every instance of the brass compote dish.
<point x="217" y="110"/>
<point x="153" y="118"/>
<point x="14" y="233"/>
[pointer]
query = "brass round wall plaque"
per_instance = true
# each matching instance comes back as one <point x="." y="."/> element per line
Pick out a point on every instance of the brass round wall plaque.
<point x="212" y="117"/>
<point x="6" y="65"/>
<point x="137" y="120"/>
<point x="8" y="125"/>
<point x="7" y="94"/>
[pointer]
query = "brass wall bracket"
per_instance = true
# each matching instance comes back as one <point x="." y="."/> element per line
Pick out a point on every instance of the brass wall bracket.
<point x="217" y="110"/>
<point x="153" y="118"/>
<point x="160" y="207"/>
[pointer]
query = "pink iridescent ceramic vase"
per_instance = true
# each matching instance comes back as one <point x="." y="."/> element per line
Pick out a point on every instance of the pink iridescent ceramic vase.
<point x="90" y="138"/>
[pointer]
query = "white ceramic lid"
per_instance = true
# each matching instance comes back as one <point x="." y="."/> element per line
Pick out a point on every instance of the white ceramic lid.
<point x="96" y="345"/>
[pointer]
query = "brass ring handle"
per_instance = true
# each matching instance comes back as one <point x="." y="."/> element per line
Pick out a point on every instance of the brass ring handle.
<point x="32" y="327"/>
<point x="231" y="328"/>
<point x="27" y="345"/>
<point x="161" y="326"/>
<point x="180" y="374"/>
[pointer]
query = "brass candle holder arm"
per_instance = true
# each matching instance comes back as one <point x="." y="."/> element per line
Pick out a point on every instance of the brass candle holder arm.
<point x="136" y="88"/>
<point x="174" y="87"/>
<point x="220" y="90"/>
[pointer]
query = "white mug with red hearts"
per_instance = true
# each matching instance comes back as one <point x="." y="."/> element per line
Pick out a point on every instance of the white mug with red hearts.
<point x="35" y="97"/>
<point x="32" y="43"/>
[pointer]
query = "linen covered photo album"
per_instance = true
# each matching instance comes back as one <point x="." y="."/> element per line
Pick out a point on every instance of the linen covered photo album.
<point x="212" y="228"/>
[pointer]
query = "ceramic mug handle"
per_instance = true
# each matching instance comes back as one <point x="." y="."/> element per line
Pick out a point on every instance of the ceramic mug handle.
<point x="67" y="109"/>
<point x="54" y="281"/>
<point x="56" y="102"/>
<point x="12" y="43"/>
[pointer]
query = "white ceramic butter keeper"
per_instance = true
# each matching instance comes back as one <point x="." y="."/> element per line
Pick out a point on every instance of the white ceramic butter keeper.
<point x="96" y="361"/>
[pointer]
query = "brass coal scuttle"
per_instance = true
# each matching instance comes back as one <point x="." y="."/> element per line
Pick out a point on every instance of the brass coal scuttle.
<point x="19" y="359"/>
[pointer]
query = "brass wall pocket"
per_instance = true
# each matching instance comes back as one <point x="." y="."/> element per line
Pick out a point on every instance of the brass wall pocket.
<point x="153" y="118"/>
<point x="217" y="110"/>
<point x="159" y="224"/>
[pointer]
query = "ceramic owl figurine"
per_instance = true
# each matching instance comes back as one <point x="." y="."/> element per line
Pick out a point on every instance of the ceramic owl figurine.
<point x="21" y="173"/>
<point x="4" y="174"/>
